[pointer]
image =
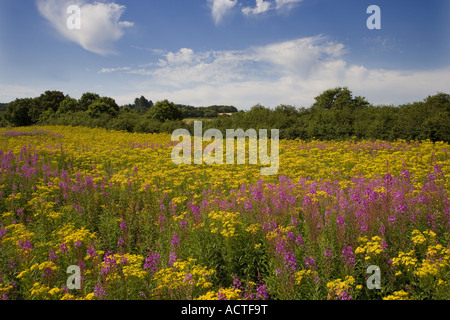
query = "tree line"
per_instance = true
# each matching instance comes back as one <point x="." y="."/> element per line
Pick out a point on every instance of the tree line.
<point x="335" y="114"/>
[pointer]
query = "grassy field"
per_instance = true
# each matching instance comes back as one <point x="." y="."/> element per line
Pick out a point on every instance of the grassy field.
<point x="140" y="227"/>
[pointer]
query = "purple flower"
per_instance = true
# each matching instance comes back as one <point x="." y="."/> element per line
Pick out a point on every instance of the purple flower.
<point x="175" y="241"/>
<point x="48" y="272"/>
<point x="172" y="258"/>
<point x="99" y="291"/>
<point x="52" y="255"/>
<point x="105" y="271"/>
<point x="77" y="244"/>
<point x="123" y="226"/>
<point x="344" y="296"/>
<point x="151" y="262"/>
<point x="110" y="261"/>
<point x="340" y="221"/>
<point x="195" y="209"/>
<point x="261" y="293"/>
<point x="183" y="224"/>
<point x="290" y="235"/>
<point x="63" y="248"/>
<point x="299" y="240"/>
<point x="25" y="245"/>
<point x="120" y="242"/>
<point x="290" y="261"/>
<point x="248" y="205"/>
<point x="237" y="285"/>
<point x="328" y="254"/>
<point x="348" y="256"/>
<point x="405" y="174"/>
<point x="3" y="231"/>
<point x="91" y="251"/>
<point x="188" y="277"/>
<point x="310" y="262"/>
<point x="221" y="296"/>
<point x="392" y="220"/>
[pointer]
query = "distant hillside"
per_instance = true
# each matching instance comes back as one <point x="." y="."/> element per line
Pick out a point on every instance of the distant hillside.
<point x="206" y="112"/>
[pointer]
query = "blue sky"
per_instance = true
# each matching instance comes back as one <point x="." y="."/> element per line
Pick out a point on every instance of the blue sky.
<point x="239" y="52"/>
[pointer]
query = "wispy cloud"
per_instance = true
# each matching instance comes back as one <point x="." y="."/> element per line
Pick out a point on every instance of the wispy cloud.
<point x="110" y="70"/>
<point x="220" y="8"/>
<point x="100" y="23"/>
<point x="280" y="4"/>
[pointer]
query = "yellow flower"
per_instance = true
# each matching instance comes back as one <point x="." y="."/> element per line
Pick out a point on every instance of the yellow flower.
<point x="183" y="274"/>
<point x="253" y="228"/>
<point x="54" y="291"/>
<point x="398" y="295"/>
<point x="223" y="294"/>
<point x="68" y="296"/>
<point x="302" y="274"/>
<point x="340" y="288"/>
<point x="405" y="260"/>
<point x="90" y="296"/>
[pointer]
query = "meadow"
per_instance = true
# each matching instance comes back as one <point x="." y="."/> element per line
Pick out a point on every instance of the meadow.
<point x="140" y="227"/>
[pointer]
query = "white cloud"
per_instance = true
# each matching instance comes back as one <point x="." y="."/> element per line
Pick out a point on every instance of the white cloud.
<point x="220" y="8"/>
<point x="261" y="6"/>
<point x="100" y="25"/>
<point x="297" y="57"/>
<point x="110" y="70"/>
<point x="286" y="3"/>
<point x="290" y="72"/>
<point x="378" y="86"/>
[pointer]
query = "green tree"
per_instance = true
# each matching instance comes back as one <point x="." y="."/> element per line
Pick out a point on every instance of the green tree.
<point x="165" y="110"/>
<point x="111" y="103"/>
<point x="50" y="100"/>
<point x="99" y="108"/>
<point x="126" y="120"/>
<point x="338" y="98"/>
<point x="69" y="105"/>
<point x="87" y="99"/>
<point x="17" y="111"/>
<point x="142" y="105"/>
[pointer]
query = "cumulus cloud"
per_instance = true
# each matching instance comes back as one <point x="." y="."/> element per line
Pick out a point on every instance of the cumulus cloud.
<point x="100" y="23"/>
<point x="220" y="8"/>
<point x="289" y="72"/>
<point x="299" y="57"/>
